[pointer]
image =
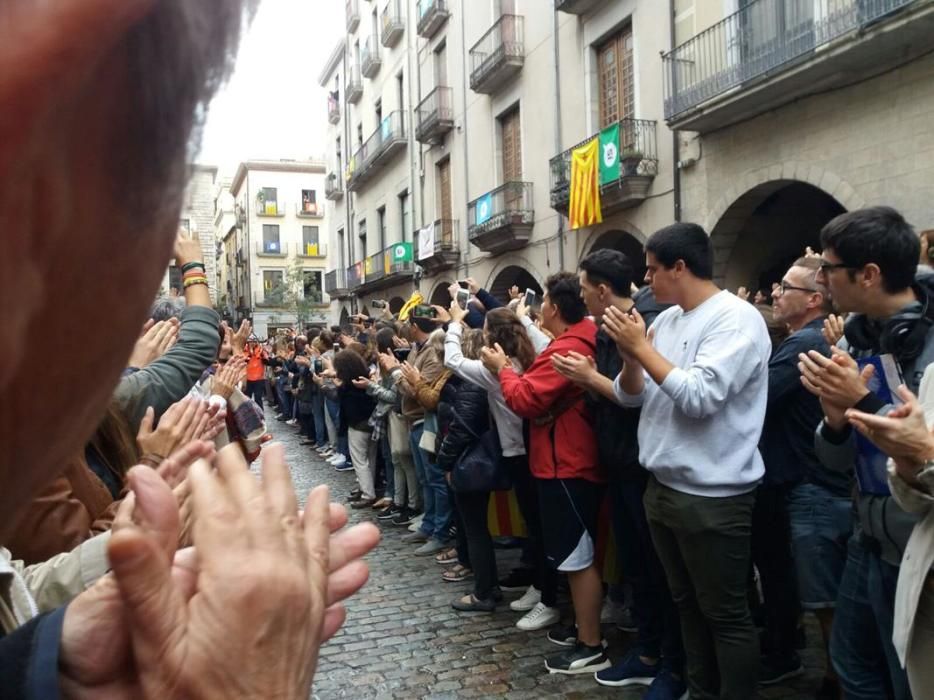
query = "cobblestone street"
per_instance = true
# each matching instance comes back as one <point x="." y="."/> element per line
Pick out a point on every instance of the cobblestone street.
<point x="403" y="640"/>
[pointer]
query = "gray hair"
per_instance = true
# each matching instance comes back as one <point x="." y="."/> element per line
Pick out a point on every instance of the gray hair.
<point x="177" y="57"/>
<point x="165" y="308"/>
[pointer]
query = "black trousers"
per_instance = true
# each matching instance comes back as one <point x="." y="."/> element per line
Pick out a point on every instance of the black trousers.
<point x="546" y="578"/>
<point x="256" y="390"/>
<point x="473" y="513"/>
<point x="772" y="555"/>
<point x="307" y="423"/>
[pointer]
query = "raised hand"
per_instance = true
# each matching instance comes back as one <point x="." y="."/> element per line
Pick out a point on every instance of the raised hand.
<point x="626" y="329"/>
<point x="902" y="433"/>
<point x="187" y="249"/>
<point x="229" y="377"/>
<point x="156" y="339"/>
<point x="833" y="329"/>
<point x="456" y="313"/>
<point x="238" y="339"/>
<point x="181" y="423"/>
<point x="388" y="361"/>
<point x="514" y="292"/>
<point x="837" y="381"/>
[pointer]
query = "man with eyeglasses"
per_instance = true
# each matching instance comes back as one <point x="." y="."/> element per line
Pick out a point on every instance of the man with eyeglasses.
<point x="801" y="520"/>
<point x="869" y="265"/>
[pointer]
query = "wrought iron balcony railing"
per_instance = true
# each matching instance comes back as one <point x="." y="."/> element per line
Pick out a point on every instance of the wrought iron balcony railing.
<point x="435" y="115"/>
<point x="388" y="139"/>
<point x="498" y="55"/>
<point x="432" y="14"/>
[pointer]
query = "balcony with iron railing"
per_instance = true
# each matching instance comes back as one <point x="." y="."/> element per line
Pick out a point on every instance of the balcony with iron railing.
<point x="392" y="26"/>
<point x="773" y="52"/>
<point x="334" y="107"/>
<point x="370" y="59"/>
<point x="498" y="55"/>
<point x="443" y="253"/>
<point x="270" y="298"/>
<point x="271" y="249"/>
<point x="378" y="150"/>
<point x="333" y="187"/>
<point x="269" y="207"/>
<point x="576" y="7"/>
<point x="432" y="14"/>
<point x="335" y="283"/>
<point x="384" y="269"/>
<point x="354" y="87"/>
<point x="435" y="115"/>
<point x="309" y="210"/>
<point x="629" y="185"/>
<point x="352" y="8"/>
<point x="502" y="219"/>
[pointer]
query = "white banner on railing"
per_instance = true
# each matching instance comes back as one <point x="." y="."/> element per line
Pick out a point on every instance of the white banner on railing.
<point x="426" y="242"/>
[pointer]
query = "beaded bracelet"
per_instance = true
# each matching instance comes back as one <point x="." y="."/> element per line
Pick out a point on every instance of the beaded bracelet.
<point x="191" y="266"/>
<point x="194" y="273"/>
<point x="196" y="280"/>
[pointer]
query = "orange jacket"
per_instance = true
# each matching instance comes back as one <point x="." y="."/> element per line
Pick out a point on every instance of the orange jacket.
<point x="255" y="369"/>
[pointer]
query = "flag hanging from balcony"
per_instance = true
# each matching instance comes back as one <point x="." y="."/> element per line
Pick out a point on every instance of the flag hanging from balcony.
<point x="609" y="154"/>
<point x="426" y="242"/>
<point x="584" y="209"/>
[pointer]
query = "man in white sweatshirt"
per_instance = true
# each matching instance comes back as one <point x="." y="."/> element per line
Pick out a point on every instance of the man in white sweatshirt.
<point x="701" y="378"/>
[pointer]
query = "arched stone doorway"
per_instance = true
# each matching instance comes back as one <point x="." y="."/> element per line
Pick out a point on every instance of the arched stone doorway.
<point x="627" y="244"/>
<point x="513" y="275"/>
<point x="396" y="304"/>
<point x="766" y="229"/>
<point x="439" y="295"/>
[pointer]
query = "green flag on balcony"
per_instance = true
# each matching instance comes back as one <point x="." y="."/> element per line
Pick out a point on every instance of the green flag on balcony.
<point x="401" y="252"/>
<point x="609" y="154"/>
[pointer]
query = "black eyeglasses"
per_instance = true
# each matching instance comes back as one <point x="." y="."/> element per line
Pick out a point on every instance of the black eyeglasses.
<point x="826" y="267"/>
<point x="784" y="287"/>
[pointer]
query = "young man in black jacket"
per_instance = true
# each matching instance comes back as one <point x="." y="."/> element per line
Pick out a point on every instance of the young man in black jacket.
<point x="657" y="658"/>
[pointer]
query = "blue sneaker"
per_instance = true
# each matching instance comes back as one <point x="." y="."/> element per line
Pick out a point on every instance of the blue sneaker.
<point x="629" y="671"/>
<point x="667" y="686"/>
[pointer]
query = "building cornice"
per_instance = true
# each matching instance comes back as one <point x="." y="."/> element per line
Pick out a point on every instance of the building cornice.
<point x="276" y="166"/>
<point x="331" y="64"/>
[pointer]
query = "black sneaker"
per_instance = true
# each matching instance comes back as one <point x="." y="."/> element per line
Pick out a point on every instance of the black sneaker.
<point x="563" y="635"/>
<point x="403" y="517"/>
<point x="518" y="580"/>
<point x="774" y="670"/>
<point x="579" y="658"/>
<point x="389" y="513"/>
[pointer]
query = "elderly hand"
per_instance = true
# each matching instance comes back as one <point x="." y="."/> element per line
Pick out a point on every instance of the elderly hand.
<point x="456" y="313"/>
<point x="494" y="359"/>
<point x="903" y="434"/>
<point x="580" y="369"/>
<point x="182" y="422"/>
<point x="833" y="329"/>
<point x="626" y="329"/>
<point x="229" y="377"/>
<point x="156" y="339"/>
<point x="244" y="617"/>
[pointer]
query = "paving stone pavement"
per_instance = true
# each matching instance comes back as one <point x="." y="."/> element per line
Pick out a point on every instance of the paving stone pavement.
<point x="403" y="640"/>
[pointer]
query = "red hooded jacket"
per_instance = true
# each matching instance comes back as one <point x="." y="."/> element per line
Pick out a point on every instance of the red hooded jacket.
<point x="565" y="447"/>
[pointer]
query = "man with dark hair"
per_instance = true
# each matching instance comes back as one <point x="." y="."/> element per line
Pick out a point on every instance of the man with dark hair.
<point x="563" y="460"/>
<point x="700" y="379"/>
<point x="802" y="517"/>
<point x="657" y="658"/>
<point x="869" y="264"/>
<point x="108" y="150"/>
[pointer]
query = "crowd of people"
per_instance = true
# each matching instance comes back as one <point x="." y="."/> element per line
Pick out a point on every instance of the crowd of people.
<point x="741" y="444"/>
<point x="143" y="558"/>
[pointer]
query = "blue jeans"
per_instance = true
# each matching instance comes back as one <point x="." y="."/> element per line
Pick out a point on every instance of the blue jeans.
<point x="437" y="520"/>
<point x="861" y="642"/>
<point x="317" y="410"/>
<point x="653" y="609"/>
<point x="285" y="397"/>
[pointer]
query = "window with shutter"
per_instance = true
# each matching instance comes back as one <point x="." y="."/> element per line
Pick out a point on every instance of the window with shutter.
<point x="615" y="71"/>
<point x="512" y="154"/>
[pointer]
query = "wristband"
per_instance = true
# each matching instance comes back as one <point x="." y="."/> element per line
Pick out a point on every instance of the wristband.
<point x="191" y="266"/>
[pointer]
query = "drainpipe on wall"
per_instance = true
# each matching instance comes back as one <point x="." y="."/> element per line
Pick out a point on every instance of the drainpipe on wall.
<point x="413" y="149"/>
<point x="557" y="61"/>
<point x="675" y="145"/>
<point x="465" y="256"/>
<point x="348" y="207"/>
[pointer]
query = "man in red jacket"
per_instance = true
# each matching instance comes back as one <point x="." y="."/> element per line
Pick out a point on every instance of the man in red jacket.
<point x="563" y="460"/>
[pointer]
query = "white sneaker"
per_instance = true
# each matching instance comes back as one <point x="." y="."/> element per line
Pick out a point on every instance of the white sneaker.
<point x="326" y="453"/>
<point x="340" y="462"/>
<point x="417" y="523"/>
<point x="292" y="421"/>
<point x="336" y="457"/>
<point x="529" y="600"/>
<point x="539" y="617"/>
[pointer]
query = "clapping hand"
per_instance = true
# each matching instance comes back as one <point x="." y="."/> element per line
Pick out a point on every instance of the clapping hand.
<point x="626" y="329"/>
<point x="580" y="369"/>
<point x="229" y="377"/>
<point x="155" y="340"/>
<point x="837" y="381"/>
<point x="361" y="382"/>
<point x="833" y="329"/>
<point x="182" y="422"/>
<point x="238" y="339"/>
<point x="387" y="361"/>
<point x="411" y="374"/>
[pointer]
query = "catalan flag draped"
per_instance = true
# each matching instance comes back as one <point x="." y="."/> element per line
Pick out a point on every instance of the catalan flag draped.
<point x="584" y="207"/>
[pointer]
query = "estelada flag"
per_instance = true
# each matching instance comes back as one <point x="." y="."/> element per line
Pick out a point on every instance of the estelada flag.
<point x="584" y="207"/>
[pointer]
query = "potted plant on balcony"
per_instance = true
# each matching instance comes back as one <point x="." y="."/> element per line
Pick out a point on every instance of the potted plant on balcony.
<point x="630" y="158"/>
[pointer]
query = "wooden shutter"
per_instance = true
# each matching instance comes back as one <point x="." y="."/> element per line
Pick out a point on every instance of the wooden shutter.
<point x="444" y="179"/>
<point x="617" y="99"/>
<point x="512" y="147"/>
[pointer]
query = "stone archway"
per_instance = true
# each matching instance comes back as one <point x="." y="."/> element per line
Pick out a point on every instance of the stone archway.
<point x="504" y="262"/>
<point x="439" y="295"/>
<point x="396" y="304"/>
<point x="625" y="243"/>
<point x="513" y="275"/>
<point x="344" y="317"/>
<point x="766" y="228"/>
